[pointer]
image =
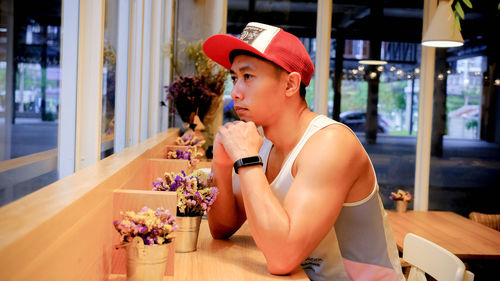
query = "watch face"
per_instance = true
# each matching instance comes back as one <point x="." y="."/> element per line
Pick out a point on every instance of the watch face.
<point x="251" y="160"/>
<point x="247" y="161"/>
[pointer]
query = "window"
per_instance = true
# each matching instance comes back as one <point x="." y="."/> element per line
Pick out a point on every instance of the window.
<point x="29" y="95"/>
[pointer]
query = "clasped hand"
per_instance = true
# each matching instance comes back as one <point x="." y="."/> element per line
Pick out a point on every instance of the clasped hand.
<point x="236" y="140"/>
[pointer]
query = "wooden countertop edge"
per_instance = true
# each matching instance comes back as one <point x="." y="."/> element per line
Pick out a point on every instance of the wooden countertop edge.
<point x="30" y="212"/>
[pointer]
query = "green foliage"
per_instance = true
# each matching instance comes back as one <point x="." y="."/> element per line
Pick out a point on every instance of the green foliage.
<point x="214" y="74"/>
<point x="3" y="73"/>
<point x="471" y="92"/>
<point x="310" y="93"/>
<point x="454" y="102"/>
<point x="472" y="124"/>
<point x="392" y="96"/>
<point x="458" y="11"/>
<point x="354" y="95"/>
<point x="402" y="133"/>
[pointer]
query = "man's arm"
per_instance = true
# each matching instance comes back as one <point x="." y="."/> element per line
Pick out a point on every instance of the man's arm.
<point x="326" y="169"/>
<point x="225" y="216"/>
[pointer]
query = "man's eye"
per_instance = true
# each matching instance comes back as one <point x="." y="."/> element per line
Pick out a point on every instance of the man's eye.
<point x="247" y="76"/>
<point x="233" y="78"/>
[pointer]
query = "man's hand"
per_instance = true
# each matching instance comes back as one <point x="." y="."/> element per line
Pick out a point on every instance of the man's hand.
<point x="220" y="159"/>
<point x="239" y="139"/>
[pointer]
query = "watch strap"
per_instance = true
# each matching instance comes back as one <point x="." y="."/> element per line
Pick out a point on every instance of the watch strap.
<point x="247" y="161"/>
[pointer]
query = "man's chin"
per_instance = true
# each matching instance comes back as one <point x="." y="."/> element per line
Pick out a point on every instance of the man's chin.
<point x="247" y="119"/>
<point x="244" y="118"/>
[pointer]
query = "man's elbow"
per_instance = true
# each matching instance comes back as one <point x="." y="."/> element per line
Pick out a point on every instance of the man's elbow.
<point x="282" y="267"/>
<point x="219" y="235"/>
<point x="219" y="232"/>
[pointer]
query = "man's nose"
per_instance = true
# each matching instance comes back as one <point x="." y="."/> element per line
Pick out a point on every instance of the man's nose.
<point x="236" y="93"/>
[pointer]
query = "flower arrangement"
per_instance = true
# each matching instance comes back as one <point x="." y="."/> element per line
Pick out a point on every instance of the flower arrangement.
<point x="189" y="139"/>
<point x="153" y="226"/>
<point x="215" y="74"/>
<point x="188" y="154"/>
<point x="191" y="96"/>
<point x="401" y="195"/>
<point x="191" y="153"/>
<point x="196" y="192"/>
<point x="197" y="89"/>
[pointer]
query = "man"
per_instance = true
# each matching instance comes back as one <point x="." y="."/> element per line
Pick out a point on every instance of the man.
<point x="308" y="189"/>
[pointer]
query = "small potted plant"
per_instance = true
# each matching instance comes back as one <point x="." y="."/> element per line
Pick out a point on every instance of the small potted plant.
<point x="189" y="153"/>
<point x="192" y="140"/>
<point x="189" y="139"/>
<point x="196" y="192"/>
<point x="145" y="235"/>
<point x="402" y="198"/>
<point x="197" y="90"/>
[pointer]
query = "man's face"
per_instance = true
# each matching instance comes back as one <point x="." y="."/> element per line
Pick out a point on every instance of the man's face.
<point x="257" y="89"/>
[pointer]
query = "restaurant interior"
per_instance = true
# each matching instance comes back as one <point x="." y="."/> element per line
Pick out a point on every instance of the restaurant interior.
<point x="90" y="117"/>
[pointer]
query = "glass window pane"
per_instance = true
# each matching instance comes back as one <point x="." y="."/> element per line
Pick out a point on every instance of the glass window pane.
<point x="109" y="78"/>
<point x="29" y="95"/>
<point x="464" y="164"/>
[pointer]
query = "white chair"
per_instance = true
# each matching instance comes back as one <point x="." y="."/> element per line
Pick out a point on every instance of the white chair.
<point x="427" y="257"/>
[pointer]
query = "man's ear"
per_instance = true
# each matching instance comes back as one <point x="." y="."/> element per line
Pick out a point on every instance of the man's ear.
<point x="293" y="84"/>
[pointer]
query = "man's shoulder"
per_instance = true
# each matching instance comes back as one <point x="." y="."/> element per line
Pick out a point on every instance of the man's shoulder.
<point x="331" y="141"/>
<point x="334" y="132"/>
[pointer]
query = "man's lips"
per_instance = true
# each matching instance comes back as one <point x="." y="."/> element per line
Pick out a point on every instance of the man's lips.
<point x="240" y="109"/>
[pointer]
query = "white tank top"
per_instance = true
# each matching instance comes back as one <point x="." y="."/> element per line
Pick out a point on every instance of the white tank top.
<point x="360" y="246"/>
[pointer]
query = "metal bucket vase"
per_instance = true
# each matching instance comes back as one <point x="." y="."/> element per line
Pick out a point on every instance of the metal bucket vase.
<point x="146" y="262"/>
<point x="401" y="206"/>
<point x="186" y="236"/>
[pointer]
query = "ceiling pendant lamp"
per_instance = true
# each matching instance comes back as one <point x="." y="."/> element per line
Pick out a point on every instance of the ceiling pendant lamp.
<point x="442" y="32"/>
<point x="372" y="62"/>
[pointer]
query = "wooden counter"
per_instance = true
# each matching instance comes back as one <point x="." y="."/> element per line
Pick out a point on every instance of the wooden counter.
<point x="64" y="231"/>
<point x="237" y="258"/>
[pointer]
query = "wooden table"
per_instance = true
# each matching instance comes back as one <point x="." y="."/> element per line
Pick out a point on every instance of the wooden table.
<point x="463" y="237"/>
<point x="237" y="258"/>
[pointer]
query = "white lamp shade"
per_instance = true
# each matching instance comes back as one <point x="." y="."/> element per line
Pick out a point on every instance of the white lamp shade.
<point x="442" y="31"/>
<point x="373" y="62"/>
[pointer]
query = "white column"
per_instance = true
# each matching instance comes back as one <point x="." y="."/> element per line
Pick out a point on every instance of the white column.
<point x="156" y="88"/>
<point x="145" y="75"/>
<point x="121" y="76"/>
<point x="89" y="99"/>
<point x="68" y="94"/>
<point x="422" y="164"/>
<point x="135" y="79"/>
<point x="166" y="58"/>
<point x="216" y="11"/>
<point x="217" y="19"/>
<point x="322" y="63"/>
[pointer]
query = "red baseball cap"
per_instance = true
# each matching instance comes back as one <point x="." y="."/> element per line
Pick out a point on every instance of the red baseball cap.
<point x="269" y="42"/>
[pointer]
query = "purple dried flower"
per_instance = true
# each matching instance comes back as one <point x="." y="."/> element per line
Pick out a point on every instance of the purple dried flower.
<point x="134" y="225"/>
<point x="194" y="199"/>
<point x="190" y="93"/>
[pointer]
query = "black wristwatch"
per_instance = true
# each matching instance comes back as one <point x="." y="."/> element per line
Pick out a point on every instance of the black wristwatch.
<point x="247" y="161"/>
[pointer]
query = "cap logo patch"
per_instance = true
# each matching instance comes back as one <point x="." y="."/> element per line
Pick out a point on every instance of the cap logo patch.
<point x="250" y="33"/>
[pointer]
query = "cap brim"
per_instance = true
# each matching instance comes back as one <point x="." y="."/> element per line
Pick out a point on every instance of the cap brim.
<point x="218" y="47"/>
